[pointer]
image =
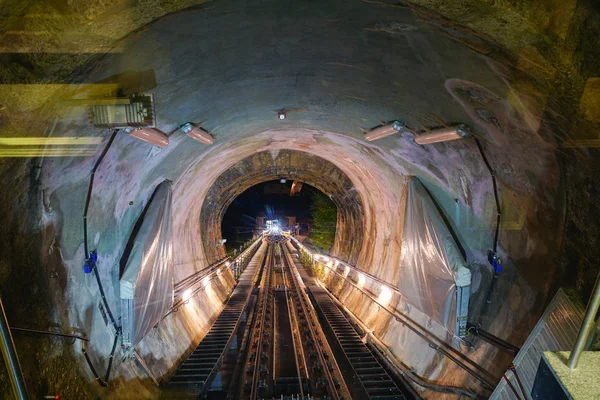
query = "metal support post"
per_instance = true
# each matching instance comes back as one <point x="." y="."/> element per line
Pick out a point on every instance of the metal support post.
<point x="586" y="326"/>
<point x="10" y="358"/>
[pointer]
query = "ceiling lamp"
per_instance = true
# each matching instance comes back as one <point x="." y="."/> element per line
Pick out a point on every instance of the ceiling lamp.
<point x="197" y="133"/>
<point x="149" y="135"/>
<point x="384" y="130"/>
<point x="442" y="135"/>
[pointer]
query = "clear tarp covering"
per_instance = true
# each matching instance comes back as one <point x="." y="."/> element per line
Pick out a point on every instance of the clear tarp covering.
<point x="432" y="267"/>
<point x="147" y="280"/>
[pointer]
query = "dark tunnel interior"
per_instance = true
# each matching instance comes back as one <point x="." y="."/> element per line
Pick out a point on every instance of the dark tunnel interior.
<point x="359" y="199"/>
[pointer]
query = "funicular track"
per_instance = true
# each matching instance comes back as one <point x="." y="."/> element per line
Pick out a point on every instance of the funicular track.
<point x="261" y="334"/>
<point x="193" y="377"/>
<point x="325" y="375"/>
<point x="290" y="374"/>
<point x="289" y="355"/>
<point x="374" y="379"/>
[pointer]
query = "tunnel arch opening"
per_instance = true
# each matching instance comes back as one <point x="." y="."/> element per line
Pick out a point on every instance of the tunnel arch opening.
<point x="299" y="208"/>
<point x="293" y="165"/>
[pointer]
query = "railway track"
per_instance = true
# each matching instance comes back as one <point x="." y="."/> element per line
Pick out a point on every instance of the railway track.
<point x="374" y="380"/>
<point x="193" y="377"/>
<point x="284" y="351"/>
<point x="327" y="378"/>
<point x="262" y="334"/>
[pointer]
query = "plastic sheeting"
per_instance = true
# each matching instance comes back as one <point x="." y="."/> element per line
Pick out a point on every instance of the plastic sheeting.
<point x="147" y="280"/>
<point x="431" y="264"/>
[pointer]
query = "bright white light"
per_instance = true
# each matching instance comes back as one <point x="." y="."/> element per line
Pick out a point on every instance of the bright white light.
<point x="205" y="281"/>
<point x="187" y="294"/>
<point x="361" y="280"/>
<point x="275" y="229"/>
<point x="385" y="296"/>
<point x="346" y="271"/>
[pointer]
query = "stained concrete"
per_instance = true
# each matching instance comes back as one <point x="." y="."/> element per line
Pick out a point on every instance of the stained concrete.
<point x="299" y="166"/>
<point x="336" y="67"/>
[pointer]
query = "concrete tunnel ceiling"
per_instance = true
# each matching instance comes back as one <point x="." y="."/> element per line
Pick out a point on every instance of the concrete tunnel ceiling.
<point x="337" y="69"/>
<point x="291" y="164"/>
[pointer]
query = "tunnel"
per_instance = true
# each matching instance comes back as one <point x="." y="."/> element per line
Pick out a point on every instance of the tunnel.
<point x="458" y="142"/>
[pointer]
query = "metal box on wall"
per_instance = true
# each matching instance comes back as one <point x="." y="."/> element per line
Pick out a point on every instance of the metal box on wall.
<point x="139" y="113"/>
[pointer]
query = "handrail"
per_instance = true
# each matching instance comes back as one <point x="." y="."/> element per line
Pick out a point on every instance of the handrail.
<point x="67" y="335"/>
<point x="11" y="359"/>
<point x="586" y="326"/>
<point x="457" y="357"/>
<point x="198" y="276"/>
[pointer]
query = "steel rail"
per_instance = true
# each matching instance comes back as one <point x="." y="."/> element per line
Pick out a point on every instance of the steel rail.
<point x="200" y="367"/>
<point x="290" y="311"/>
<point x="404" y="373"/>
<point x="431" y="339"/>
<point x="315" y="335"/>
<point x="11" y="359"/>
<point x="373" y="378"/>
<point x="50" y="333"/>
<point x="264" y="302"/>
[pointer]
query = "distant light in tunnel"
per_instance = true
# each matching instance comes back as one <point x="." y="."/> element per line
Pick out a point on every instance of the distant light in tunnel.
<point x="385" y="296"/>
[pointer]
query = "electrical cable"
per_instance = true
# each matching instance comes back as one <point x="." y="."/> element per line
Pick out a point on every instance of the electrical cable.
<point x="495" y="185"/>
<point x="94" y="267"/>
<point x="441" y="346"/>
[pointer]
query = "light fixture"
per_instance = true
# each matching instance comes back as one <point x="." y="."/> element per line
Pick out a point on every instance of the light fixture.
<point x="361" y="280"/>
<point x="385" y="130"/>
<point x="385" y="296"/>
<point x="283" y="180"/>
<point x="281" y="114"/>
<point x="197" y="133"/>
<point x="150" y="135"/>
<point x="442" y="135"/>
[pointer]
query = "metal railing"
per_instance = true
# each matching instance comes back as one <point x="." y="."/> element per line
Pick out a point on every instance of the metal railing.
<point x="11" y="360"/>
<point x="586" y="326"/>
<point x="468" y="365"/>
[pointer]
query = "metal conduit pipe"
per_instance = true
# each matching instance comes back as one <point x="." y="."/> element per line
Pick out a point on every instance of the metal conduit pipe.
<point x="65" y="335"/>
<point x="491" y="339"/>
<point x="85" y="232"/>
<point x="140" y="360"/>
<point x="197" y="277"/>
<point x="11" y="360"/>
<point x="393" y="313"/>
<point x="399" y="367"/>
<point x="435" y="343"/>
<point x="586" y="326"/>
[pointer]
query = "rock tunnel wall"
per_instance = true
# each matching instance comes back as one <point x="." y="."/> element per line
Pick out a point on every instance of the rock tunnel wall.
<point x="294" y="165"/>
<point x="377" y="63"/>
